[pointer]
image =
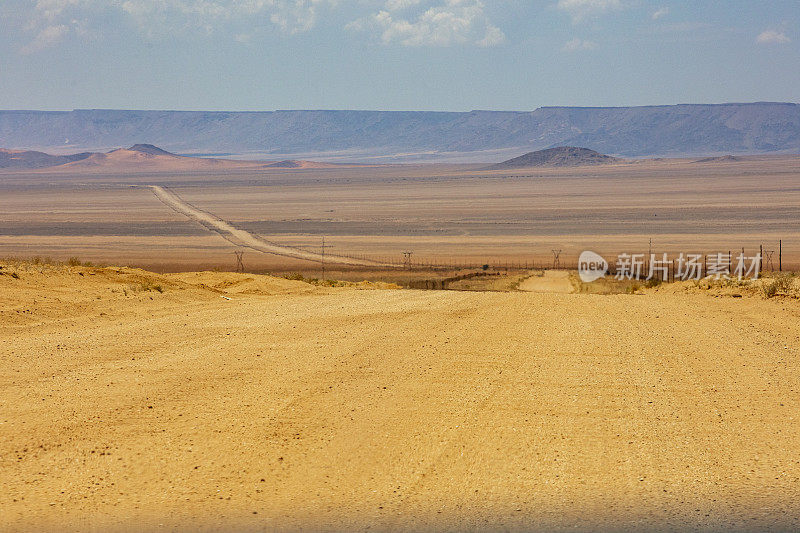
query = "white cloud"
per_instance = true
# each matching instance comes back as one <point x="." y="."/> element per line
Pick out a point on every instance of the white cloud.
<point x="292" y="16"/>
<point x="448" y="23"/>
<point x="494" y="36"/>
<point x="772" y="37"/>
<point x="408" y="22"/>
<point x="576" y="44"/>
<point x="45" y="38"/>
<point x="582" y="9"/>
<point x="660" y="12"/>
<point x="51" y="20"/>
<point x="295" y="16"/>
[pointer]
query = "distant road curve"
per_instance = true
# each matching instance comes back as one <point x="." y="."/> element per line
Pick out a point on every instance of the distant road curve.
<point x="241" y="237"/>
<point x="552" y="281"/>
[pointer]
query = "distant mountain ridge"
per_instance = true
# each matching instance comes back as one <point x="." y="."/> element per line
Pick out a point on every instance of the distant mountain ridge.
<point x="561" y="156"/>
<point x="675" y="130"/>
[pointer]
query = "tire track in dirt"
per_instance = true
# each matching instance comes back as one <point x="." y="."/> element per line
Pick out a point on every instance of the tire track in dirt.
<point x="551" y="281"/>
<point x="244" y="238"/>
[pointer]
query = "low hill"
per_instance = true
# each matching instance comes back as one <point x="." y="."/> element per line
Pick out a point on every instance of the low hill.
<point x="150" y="149"/>
<point x="720" y="159"/>
<point x="27" y="159"/>
<point x="139" y="157"/>
<point x="562" y="156"/>
<point x="150" y="158"/>
<point x="294" y="163"/>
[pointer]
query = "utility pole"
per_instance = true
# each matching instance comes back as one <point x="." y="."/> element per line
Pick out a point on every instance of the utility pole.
<point x="556" y="259"/>
<point x="323" y="258"/>
<point x="407" y="259"/>
<point x="239" y="264"/>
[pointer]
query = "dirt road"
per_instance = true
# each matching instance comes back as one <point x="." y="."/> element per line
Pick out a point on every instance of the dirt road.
<point x="551" y="281"/>
<point x="244" y="238"/>
<point x="289" y="407"/>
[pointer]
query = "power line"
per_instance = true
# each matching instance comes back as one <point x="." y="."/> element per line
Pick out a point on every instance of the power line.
<point x="239" y="263"/>
<point x="557" y="258"/>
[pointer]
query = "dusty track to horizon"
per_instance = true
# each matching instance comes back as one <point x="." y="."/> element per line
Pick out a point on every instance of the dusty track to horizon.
<point x="445" y="215"/>
<point x="241" y="237"/>
<point x="292" y="407"/>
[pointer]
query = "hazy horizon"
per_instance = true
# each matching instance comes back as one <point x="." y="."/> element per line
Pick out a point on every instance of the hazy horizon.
<point x="366" y="110"/>
<point x="394" y="55"/>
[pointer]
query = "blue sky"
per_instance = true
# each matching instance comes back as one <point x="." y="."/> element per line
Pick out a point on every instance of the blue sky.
<point x="451" y="55"/>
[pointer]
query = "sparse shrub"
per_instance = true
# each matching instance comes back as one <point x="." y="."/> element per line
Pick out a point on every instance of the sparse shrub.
<point x="652" y="282"/>
<point x="145" y="287"/>
<point x="296" y="276"/>
<point x="737" y="283"/>
<point x="783" y="282"/>
<point x="74" y="261"/>
<point x="633" y="287"/>
<point x="39" y="260"/>
<point x="779" y="283"/>
<point x="769" y="289"/>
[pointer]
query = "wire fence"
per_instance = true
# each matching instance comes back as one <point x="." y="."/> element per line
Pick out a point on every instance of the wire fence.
<point x="652" y="265"/>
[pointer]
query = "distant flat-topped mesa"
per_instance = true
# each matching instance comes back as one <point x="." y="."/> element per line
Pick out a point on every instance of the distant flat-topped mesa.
<point x="687" y="130"/>
<point x="561" y="156"/>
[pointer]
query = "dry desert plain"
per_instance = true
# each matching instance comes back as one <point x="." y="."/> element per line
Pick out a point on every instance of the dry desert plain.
<point x="444" y="214"/>
<point x="184" y="401"/>
<point x="132" y="401"/>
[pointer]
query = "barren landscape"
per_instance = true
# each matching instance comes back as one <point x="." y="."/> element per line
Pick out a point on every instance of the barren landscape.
<point x="399" y="265"/>
<point x="188" y="399"/>
<point x="443" y="214"/>
<point x="208" y="401"/>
